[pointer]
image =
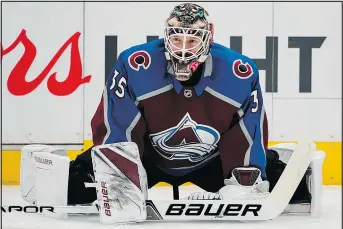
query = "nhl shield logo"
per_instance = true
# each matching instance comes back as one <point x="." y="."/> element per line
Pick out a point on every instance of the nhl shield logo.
<point x="187" y="93"/>
<point x="188" y="140"/>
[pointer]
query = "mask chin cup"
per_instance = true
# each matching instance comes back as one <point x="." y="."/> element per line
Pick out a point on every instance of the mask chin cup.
<point x="182" y="72"/>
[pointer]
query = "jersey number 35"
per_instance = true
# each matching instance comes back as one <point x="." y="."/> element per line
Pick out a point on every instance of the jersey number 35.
<point x="120" y="92"/>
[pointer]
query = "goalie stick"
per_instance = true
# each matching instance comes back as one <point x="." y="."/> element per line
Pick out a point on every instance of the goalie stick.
<point x="263" y="209"/>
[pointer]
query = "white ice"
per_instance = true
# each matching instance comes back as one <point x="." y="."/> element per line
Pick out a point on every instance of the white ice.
<point x="330" y="218"/>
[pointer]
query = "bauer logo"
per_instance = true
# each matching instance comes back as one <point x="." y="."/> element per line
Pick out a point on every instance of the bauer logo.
<point x="219" y="210"/>
<point x="104" y="192"/>
<point x="43" y="160"/>
<point x="188" y="140"/>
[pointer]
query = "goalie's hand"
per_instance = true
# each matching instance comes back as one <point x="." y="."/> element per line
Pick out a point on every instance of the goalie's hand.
<point x="245" y="183"/>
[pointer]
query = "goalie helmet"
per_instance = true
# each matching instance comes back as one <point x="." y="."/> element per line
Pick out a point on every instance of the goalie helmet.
<point x="187" y="37"/>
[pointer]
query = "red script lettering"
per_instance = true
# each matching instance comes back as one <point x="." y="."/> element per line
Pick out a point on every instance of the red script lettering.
<point x="18" y="85"/>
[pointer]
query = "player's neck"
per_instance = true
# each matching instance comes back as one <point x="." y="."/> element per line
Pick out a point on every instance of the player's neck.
<point x="195" y="78"/>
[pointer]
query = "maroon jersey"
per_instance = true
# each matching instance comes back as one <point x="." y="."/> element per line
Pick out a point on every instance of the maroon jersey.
<point x="180" y="128"/>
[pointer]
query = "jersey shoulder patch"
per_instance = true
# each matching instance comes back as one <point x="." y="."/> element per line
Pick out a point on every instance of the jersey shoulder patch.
<point x="242" y="67"/>
<point x="140" y="57"/>
<point x="234" y="73"/>
<point x="144" y="66"/>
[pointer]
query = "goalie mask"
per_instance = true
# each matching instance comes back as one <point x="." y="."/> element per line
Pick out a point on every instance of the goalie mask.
<point x="187" y="37"/>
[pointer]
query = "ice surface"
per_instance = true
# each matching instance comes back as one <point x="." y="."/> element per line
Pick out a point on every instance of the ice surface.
<point x="330" y="218"/>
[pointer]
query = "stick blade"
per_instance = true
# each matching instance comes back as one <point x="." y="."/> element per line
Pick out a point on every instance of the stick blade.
<point x="290" y="178"/>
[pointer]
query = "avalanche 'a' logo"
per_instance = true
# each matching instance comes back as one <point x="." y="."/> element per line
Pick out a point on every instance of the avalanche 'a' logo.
<point x="188" y="140"/>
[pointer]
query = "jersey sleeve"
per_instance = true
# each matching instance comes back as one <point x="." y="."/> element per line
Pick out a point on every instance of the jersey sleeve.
<point x="117" y="118"/>
<point x="246" y="141"/>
